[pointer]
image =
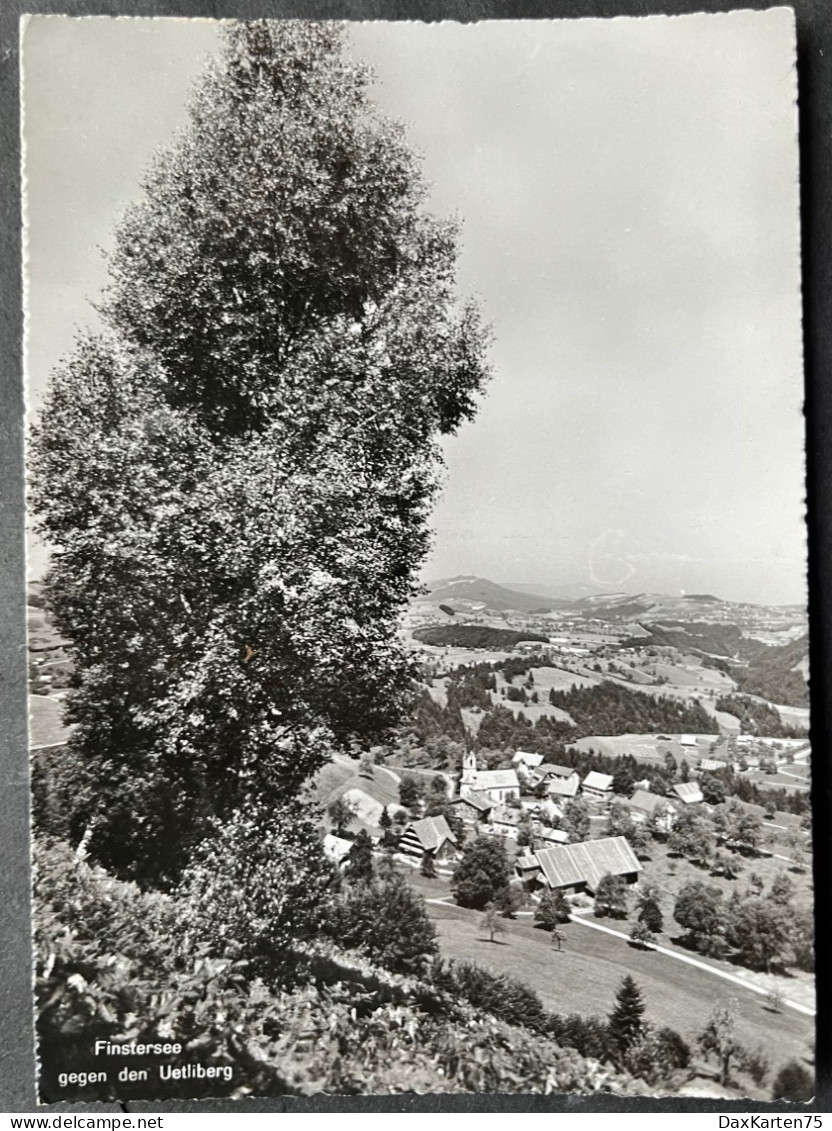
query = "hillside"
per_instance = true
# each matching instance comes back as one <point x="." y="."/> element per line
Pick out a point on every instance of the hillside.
<point x="474" y="636"/>
<point x="465" y="592"/>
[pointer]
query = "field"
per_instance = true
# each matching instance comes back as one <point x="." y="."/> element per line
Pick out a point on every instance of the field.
<point x="45" y="725"/>
<point x="584" y="976"/>
<point x="340" y="778"/>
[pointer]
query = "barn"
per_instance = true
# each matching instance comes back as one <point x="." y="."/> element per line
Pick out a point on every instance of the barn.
<point x="580" y="867"/>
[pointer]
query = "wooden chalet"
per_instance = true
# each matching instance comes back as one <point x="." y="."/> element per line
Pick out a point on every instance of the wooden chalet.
<point x="473" y="807"/>
<point x="524" y="758"/>
<point x="643" y="805"/>
<point x="430" y="834"/>
<point x="505" y="821"/>
<point x="564" y="787"/>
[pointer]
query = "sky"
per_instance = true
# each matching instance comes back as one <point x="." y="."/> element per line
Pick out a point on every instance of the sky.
<point x="628" y="194"/>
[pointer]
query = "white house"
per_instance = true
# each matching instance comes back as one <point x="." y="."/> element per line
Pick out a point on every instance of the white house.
<point x="597" y="786"/>
<point x="524" y="758"/>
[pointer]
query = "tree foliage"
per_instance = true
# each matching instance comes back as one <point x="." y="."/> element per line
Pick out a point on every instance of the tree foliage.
<point x="386" y="920"/>
<point x="259" y="887"/>
<point x="359" y="863"/>
<point x="626" y="1021"/>
<point x="236" y="473"/>
<point x="552" y="910"/>
<point x="719" y="1039"/>
<point x="793" y="1083"/>
<point x="611" y="896"/>
<point x="700" y="910"/>
<point x="482" y="873"/>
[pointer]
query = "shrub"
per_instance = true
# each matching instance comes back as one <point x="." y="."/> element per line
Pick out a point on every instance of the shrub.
<point x="793" y="1083"/>
<point x="386" y="920"/>
<point x="259" y="887"/>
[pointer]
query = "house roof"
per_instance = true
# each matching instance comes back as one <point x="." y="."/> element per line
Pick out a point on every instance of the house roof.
<point x="527" y="863"/>
<point x="497" y="779"/>
<point x="431" y="832"/>
<point x="559" y="836"/>
<point x="646" y="801"/>
<point x="594" y="780"/>
<point x="505" y="816"/>
<point x="336" y="847"/>
<point x="711" y="764"/>
<point x="559" y="867"/>
<point x="550" y="769"/>
<point x="688" y="791"/>
<point x="476" y="801"/>
<point x="564" y="787"/>
<point x="572" y="864"/>
<point x="527" y="759"/>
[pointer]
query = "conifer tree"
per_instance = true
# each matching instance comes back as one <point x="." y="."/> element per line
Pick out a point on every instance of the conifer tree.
<point x="625" y="1025"/>
<point x="237" y="471"/>
<point x="359" y="865"/>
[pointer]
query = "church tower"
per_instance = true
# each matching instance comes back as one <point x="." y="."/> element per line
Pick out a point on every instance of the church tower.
<point x="469" y="772"/>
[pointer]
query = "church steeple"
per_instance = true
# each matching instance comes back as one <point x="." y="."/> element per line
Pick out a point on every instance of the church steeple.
<point x="469" y="769"/>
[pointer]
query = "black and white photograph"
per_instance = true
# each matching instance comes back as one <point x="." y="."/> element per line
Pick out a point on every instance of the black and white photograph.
<point x="418" y="644"/>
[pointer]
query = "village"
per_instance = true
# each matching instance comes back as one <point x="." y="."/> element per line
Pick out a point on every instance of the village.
<point x="606" y="878"/>
<point x="592" y="856"/>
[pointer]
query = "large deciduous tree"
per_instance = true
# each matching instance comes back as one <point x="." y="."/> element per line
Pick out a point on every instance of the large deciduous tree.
<point x="482" y="873"/>
<point x="237" y="472"/>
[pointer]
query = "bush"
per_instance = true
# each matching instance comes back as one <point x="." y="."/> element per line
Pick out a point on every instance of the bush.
<point x="259" y="887"/>
<point x="498" y="994"/>
<point x="386" y="920"/>
<point x="793" y="1083"/>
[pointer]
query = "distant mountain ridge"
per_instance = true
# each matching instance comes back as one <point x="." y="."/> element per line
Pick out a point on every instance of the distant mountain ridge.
<point x="467" y="591"/>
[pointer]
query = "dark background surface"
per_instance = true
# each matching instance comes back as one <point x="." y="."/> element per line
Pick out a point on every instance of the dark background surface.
<point x="814" y="38"/>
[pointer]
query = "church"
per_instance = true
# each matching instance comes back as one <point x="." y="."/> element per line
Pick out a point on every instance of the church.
<point x="497" y="786"/>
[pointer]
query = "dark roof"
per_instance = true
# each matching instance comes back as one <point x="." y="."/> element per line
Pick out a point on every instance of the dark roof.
<point x="431" y="832"/>
<point x="586" y="863"/>
<point x="479" y="801"/>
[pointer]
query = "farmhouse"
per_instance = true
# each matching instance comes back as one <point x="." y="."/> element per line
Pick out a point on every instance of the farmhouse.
<point x="644" y="805"/>
<point x="431" y="834"/>
<point x="472" y="808"/>
<point x="580" y="867"/>
<point x="564" y="787"/>
<point x="505" y="821"/>
<point x="597" y="785"/>
<point x="709" y="765"/>
<point x="524" y="758"/>
<point x="552" y="836"/>
<point x="549" y="771"/>
<point x="527" y="867"/>
<point x="688" y="792"/>
<point x="336" y="848"/>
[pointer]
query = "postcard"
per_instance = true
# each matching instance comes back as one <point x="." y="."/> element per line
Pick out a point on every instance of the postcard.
<point x="417" y="613"/>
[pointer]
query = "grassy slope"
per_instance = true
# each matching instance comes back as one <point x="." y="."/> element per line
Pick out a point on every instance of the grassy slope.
<point x="586" y="974"/>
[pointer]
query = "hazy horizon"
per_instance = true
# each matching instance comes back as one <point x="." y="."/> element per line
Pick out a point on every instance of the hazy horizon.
<point x="628" y="194"/>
